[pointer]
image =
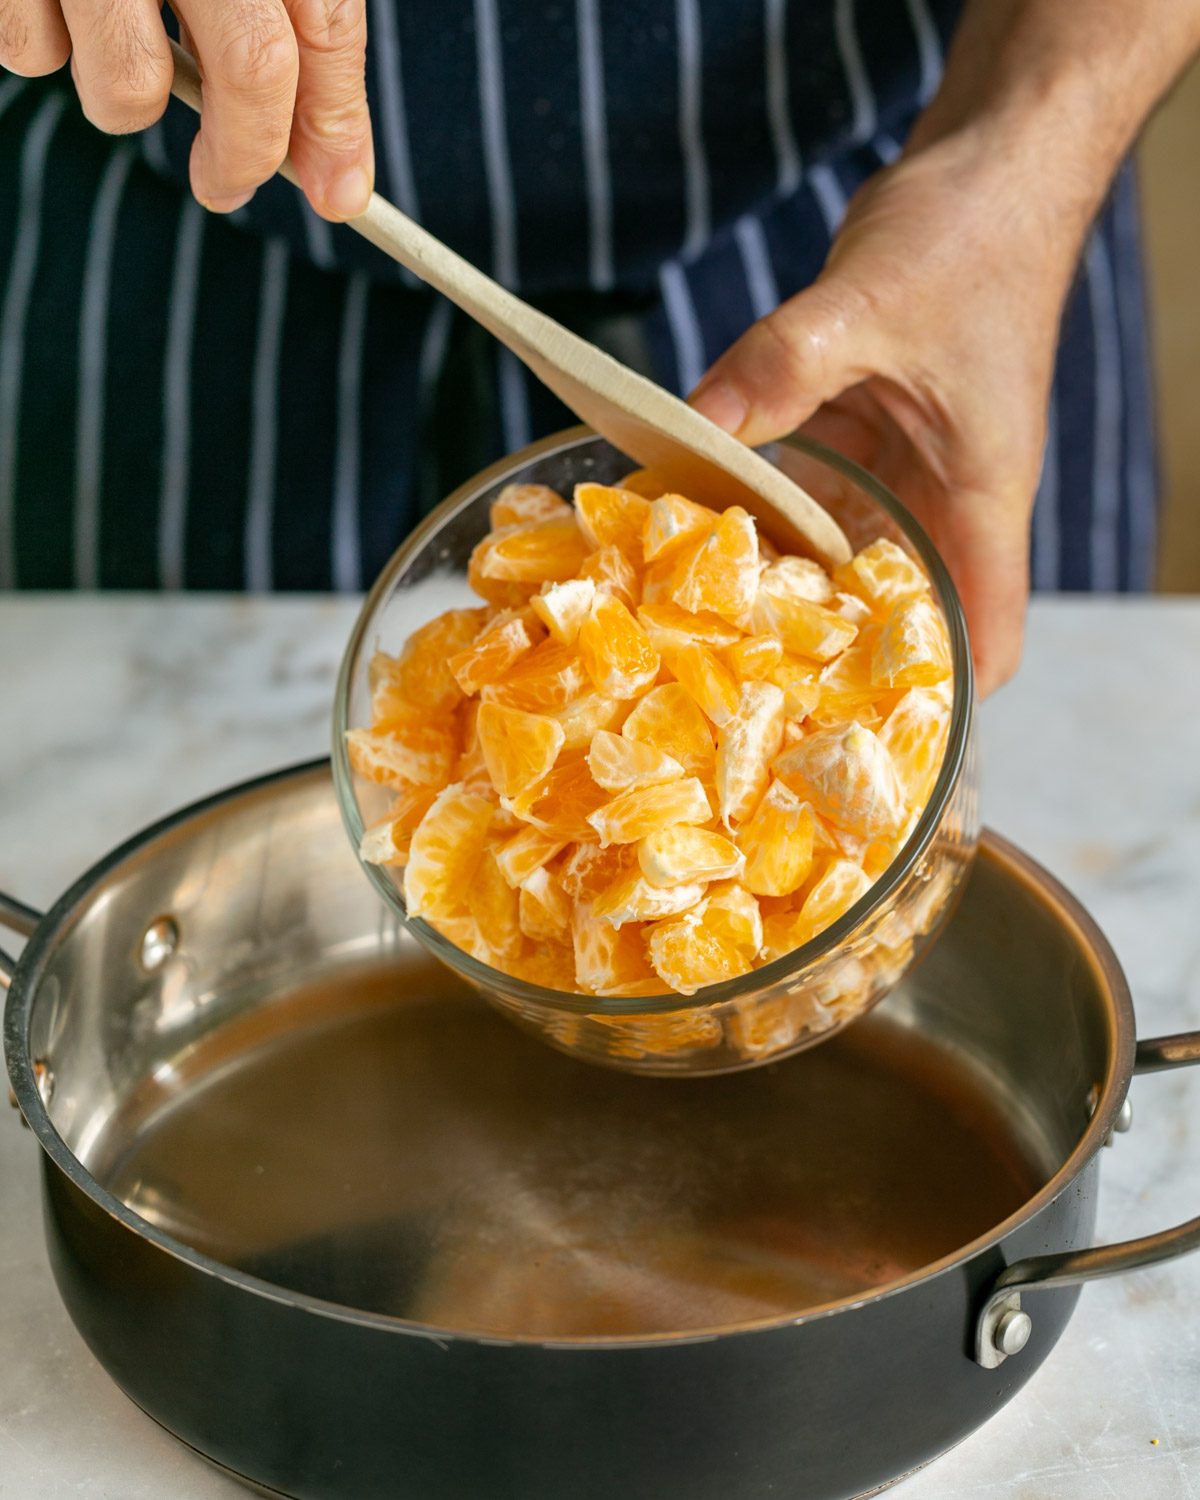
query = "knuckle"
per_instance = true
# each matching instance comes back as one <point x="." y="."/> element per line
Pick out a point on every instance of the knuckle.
<point x="260" y="55"/>
<point x="331" y="25"/>
<point x="24" y="50"/>
<point x="128" y="80"/>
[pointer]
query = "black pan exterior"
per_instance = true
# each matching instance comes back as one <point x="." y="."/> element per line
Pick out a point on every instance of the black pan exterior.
<point x="319" y="1406"/>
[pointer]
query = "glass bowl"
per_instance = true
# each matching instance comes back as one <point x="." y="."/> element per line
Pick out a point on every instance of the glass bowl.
<point x="788" y="1004"/>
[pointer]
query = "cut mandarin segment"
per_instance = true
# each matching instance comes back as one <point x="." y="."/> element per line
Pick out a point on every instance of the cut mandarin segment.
<point x="619" y="764"/>
<point x="495" y="650"/>
<point x="561" y="802"/>
<point x="518" y="503"/>
<point x="587" y="869"/>
<point x="612" y="573"/>
<point x="633" y="815"/>
<point x="420" y="677"/>
<point x="536" y="552"/>
<point x="616" y="651"/>
<point x="404" y="751"/>
<point x="612" y="517"/>
<point x="446" y="848"/>
<point x="882" y="574"/>
<point x="913" y="649"/>
<point x="746" y="746"/>
<point x="633" y="898"/>
<point x="544" y="909"/>
<point x="669" y="719"/>
<point x="707" y="681"/>
<point x="796" y="578"/>
<point x="847" y="775"/>
<point x="914" y="735"/>
<point x="584" y="717"/>
<point x="799" y="683"/>
<point x="673" y="520"/>
<point x="387" y="842"/>
<point x="607" y="958"/>
<point x="682" y="853"/>
<point x="754" y="657"/>
<point x="526" y="852"/>
<point x="720" y="573"/>
<point x="778" y="843"/>
<point x="518" y="748"/>
<point x="841" y="885"/>
<point x="648" y="483"/>
<point x="670" y="626"/>
<point x="803" y="628"/>
<point x="546" y="678"/>
<point x="687" y="955"/>
<point x="731" y="911"/>
<point x="493" y="903"/>
<point x="563" y="607"/>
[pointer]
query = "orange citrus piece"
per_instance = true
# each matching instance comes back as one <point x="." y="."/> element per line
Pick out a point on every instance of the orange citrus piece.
<point x="612" y="517"/>
<point x="518" y="748"/>
<point x="841" y="885"/>
<point x="914" y="735"/>
<point x="535" y="552"/>
<point x="846" y="689"/>
<point x="731" y="912"/>
<point x="546" y="678"/>
<point x="680" y="854"/>
<point x="847" y="775"/>
<point x="673" y="520"/>
<point x="913" y="649"/>
<point x="803" y="628"/>
<point x="552" y="965"/>
<point x="720" y="573"/>
<point x="545" y="910"/>
<point x="404" y="751"/>
<point x="612" y="573"/>
<point x="687" y="955"/>
<point x="645" y="482"/>
<point x="420" y="676"/>
<point x="656" y="581"/>
<point x="585" y="716"/>
<point x="493" y="903"/>
<point x="518" y="503"/>
<point x="619" y="764"/>
<point x="754" y="657"/>
<point x="446" y="849"/>
<point x="495" y="650"/>
<point x="607" y="958"/>
<point x="527" y="851"/>
<point x="706" y="680"/>
<point x="563" y="607"/>
<point x="668" y="719"/>
<point x="800" y="685"/>
<point x="882" y="574"/>
<point x="616" y="651"/>
<point x="587" y="869"/>
<point x="777" y="841"/>
<point x="561" y="802"/>
<point x="387" y="841"/>
<point x="669" y="626"/>
<point x="796" y="578"/>
<point x="633" y="898"/>
<point x="746" y="746"/>
<point x="633" y="815"/>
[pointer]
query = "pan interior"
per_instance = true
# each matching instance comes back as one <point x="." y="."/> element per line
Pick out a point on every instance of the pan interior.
<point x="382" y="1140"/>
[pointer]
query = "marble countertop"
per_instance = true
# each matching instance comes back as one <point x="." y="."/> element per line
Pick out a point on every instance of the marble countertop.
<point x="117" y="710"/>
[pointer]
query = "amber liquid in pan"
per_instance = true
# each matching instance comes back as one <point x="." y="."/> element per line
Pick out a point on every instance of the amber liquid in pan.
<point x="386" y="1142"/>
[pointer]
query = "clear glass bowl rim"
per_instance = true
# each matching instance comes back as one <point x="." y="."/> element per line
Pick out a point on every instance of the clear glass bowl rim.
<point x="778" y="971"/>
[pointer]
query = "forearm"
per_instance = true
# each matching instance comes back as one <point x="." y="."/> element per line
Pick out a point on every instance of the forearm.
<point x="1051" y="93"/>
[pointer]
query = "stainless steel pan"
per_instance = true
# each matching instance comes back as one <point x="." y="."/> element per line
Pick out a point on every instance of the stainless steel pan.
<point x="336" y="1226"/>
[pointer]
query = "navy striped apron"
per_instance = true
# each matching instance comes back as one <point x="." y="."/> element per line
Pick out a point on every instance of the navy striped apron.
<point x="267" y="403"/>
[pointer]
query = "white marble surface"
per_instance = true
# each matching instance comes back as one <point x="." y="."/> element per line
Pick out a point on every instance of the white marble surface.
<point x="115" y="711"/>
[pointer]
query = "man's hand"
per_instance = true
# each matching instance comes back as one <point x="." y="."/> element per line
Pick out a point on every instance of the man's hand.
<point x="279" y="77"/>
<point x="925" y="350"/>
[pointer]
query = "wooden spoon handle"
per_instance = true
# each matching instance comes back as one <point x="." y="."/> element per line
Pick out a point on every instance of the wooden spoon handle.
<point x="634" y="414"/>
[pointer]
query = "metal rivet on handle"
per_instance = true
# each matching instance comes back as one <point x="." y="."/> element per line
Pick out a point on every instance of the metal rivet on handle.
<point x="1124" y="1120"/>
<point x="1012" y="1332"/>
<point x="159" y="941"/>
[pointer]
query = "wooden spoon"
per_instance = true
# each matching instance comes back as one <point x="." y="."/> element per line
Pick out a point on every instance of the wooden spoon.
<point x="661" y="432"/>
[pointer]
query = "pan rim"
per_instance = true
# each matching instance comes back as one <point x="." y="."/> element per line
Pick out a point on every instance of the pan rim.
<point x="60" y="918"/>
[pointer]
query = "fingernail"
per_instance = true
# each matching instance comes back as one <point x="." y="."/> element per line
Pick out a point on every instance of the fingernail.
<point x="226" y="205"/>
<point x="720" y="403"/>
<point x="347" y="194"/>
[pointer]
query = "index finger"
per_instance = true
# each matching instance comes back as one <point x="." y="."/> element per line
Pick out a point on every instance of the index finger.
<point x="247" y="55"/>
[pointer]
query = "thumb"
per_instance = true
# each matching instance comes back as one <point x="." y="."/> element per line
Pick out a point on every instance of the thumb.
<point x="806" y="352"/>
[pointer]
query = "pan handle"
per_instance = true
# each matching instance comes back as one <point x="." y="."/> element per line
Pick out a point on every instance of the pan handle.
<point x="21" y="919"/>
<point x="1003" y="1327"/>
